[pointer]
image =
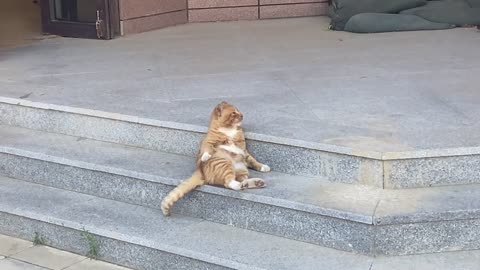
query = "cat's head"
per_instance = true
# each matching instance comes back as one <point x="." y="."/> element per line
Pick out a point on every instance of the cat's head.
<point x="227" y="115"/>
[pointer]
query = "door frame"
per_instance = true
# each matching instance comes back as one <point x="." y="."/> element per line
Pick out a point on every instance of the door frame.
<point x="108" y="13"/>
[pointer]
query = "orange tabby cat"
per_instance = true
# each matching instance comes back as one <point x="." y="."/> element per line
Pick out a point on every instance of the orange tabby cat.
<point x="222" y="158"/>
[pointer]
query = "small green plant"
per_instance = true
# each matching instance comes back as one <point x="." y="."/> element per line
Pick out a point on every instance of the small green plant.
<point x="93" y="246"/>
<point x="38" y="240"/>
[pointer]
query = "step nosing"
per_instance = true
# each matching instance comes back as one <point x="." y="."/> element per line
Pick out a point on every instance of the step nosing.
<point x="329" y="148"/>
<point x="130" y="239"/>
<point x="278" y="202"/>
<point x="368" y="219"/>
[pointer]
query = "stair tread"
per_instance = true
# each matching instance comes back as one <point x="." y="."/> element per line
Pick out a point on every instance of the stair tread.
<point x="311" y="194"/>
<point x="190" y="237"/>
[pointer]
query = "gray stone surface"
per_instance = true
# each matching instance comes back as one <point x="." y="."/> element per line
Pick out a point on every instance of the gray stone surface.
<point x="385" y="92"/>
<point x="53" y="158"/>
<point x="417" y="238"/>
<point x="301" y="208"/>
<point x="283" y="158"/>
<point x="324" y="229"/>
<point x="439" y="261"/>
<point x="427" y="172"/>
<point x="61" y="236"/>
<point x="428" y="204"/>
<point x="140" y="237"/>
<point x="292" y="206"/>
<point x="339" y="164"/>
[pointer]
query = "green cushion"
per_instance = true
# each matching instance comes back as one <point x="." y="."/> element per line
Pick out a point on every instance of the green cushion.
<point x="345" y="9"/>
<point x="330" y="11"/>
<point x="474" y="3"/>
<point x="380" y="22"/>
<point x="456" y="15"/>
<point x="438" y="4"/>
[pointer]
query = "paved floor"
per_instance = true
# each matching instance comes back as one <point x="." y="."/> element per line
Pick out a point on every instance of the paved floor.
<point x="17" y="254"/>
<point x="292" y="78"/>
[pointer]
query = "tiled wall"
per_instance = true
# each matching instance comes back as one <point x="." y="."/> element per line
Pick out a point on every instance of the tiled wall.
<point x="140" y="16"/>
<point x="228" y="10"/>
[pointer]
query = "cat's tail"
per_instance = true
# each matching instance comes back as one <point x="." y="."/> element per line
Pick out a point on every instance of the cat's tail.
<point x="181" y="190"/>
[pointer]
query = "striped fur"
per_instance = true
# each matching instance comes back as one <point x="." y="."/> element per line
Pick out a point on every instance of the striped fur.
<point x="222" y="159"/>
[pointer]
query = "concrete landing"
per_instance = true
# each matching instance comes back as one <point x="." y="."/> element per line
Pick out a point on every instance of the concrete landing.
<point x="292" y="78"/>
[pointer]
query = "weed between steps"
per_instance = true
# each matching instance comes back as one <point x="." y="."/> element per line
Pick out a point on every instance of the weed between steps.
<point x="38" y="240"/>
<point x="93" y="245"/>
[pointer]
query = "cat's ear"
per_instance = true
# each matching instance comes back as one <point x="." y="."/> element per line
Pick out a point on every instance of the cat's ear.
<point x="219" y="109"/>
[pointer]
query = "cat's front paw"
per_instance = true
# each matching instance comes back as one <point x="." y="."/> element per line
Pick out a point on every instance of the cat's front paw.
<point x="205" y="156"/>
<point x="265" y="168"/>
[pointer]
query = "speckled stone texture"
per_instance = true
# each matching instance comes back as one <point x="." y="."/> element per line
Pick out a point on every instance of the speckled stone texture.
<point x="130" y="9"/>
<point x="150" y="15"/>
<point x="104" y="129"/>
<point x="337" y="164"/>
<point x="332" y="166"/>
<point x="194" y="4"/>
<point x="293" y="10"/>
<point x="294" y="224"/>
<point x="427" y="172"/>
<point x="415" y="238"/>
<point x="111" y="250"/>
<point x="280" y="157"/>
<point x="223" y="14"/>
<point x="142" y="24"/>
<point x="342" y="216"/>
<point x="140" y="237"/>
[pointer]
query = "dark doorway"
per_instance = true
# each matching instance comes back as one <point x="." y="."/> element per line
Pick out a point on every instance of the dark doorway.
<point x="81" y="18"/>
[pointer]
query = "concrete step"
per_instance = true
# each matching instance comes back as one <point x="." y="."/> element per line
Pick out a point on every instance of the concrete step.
<point x="392" y="170"/>
<point x="347" y="217"/>
<point x="141" y="238"/>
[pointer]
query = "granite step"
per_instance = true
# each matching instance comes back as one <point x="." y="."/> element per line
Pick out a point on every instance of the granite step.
<point x="141" y="238"/>
<point x="347" y="217"/>
<point x="392" y="170"/>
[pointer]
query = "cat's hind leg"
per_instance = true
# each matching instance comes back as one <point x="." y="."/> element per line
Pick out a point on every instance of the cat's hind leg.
<point x="253" y="183"/>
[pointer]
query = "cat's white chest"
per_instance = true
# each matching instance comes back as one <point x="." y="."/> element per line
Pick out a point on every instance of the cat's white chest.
<point x="232" y="148"/>
<point x="230" y="132"/>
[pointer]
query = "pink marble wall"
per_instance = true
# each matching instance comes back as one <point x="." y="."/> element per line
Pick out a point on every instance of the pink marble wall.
<point x="223" y="14"/>
<point x="193" y="4"/>
<point x="229" y="10"/>
<point x="140" y="16"/>
<point x="293" y="10"/>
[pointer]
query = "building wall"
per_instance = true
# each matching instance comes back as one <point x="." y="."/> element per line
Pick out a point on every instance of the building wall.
<point x="228" y="10"/>
<point x="140" y="16"/>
